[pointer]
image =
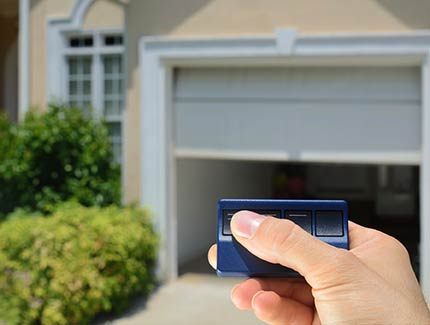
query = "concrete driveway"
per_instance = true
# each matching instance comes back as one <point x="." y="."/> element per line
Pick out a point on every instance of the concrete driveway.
<point x="191" y="299"/>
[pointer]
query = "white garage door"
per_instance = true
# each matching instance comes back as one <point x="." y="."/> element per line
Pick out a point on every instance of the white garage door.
<point x="298" y="113"/>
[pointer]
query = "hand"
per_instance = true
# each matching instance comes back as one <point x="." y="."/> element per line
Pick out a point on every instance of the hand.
<point x="372" y="283"/>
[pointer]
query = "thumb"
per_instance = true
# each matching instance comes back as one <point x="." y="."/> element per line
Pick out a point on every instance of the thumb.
<point x="283" y="242"/>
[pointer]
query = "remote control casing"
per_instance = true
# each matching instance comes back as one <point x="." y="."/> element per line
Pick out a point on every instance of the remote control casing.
<point x="325" y="219"/>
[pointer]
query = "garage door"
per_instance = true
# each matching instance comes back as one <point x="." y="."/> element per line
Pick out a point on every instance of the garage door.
<point x="298" y="113"/>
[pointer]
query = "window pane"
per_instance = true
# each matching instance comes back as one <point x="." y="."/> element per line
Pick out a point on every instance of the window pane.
<point x="73" y="87"/>
<point x="108" y="87"/>
<point x="81" y="41"/>
<point x="73" y="66"/>
<point x="115" y="134"/>
<point x="88" y="41"/>
<point x="114" y="129"/>
<point x="86" y="87"/>
<point x="108" y="65"/>
<point x="119" y="65"/>
<point x="113" y="40"/>
<point x="113" y="85"/>
<point x="109" y="108"/>
<point x="79" y="85"/>
<point x="120" y="88"/>
<point x="86" y="66"/>
<point x="113" y="99"/>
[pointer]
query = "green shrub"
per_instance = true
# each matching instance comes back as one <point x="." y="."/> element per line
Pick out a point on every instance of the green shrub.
<point x="8" y="172"/>
<point x="55" y="156"/>
<point x="73" y="264"/>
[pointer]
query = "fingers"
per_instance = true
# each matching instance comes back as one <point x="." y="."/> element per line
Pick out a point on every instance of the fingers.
<point x="212" y="256"/>
<point x="283" y="242"/>
<point x="273" y="309"/>
<point x="243" y="293"/>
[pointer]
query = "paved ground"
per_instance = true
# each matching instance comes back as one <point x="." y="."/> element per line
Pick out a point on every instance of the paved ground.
<point x="192" y="299"/>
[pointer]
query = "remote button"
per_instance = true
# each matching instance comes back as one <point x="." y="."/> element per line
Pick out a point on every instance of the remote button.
<point x="329" y="223"/>
<point x="228" y="215"/>
<point x="300" y="218"/>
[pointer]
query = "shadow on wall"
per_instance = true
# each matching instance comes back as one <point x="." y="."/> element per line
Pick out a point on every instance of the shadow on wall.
<point x="412" y="13"/>
<point x="161" y="22"/>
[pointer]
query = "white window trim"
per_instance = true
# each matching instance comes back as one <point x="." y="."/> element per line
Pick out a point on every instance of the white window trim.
<point x="159" y="56"/>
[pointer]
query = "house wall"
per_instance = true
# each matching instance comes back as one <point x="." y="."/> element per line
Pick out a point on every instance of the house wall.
<point x="102" y="14"/>
<point x="249" y="17"/>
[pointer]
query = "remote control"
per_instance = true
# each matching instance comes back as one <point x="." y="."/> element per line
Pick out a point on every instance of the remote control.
<point x="325" y="219"/>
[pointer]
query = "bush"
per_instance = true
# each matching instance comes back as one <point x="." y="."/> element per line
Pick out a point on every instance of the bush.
<point x="55" y="156"/>
<point x="73" y="264"/>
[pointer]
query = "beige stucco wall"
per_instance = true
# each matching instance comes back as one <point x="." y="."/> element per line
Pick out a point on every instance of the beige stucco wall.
<point x="40" y="11"/>
<point x="102" y="14"/>
<point x="250" y="17"/>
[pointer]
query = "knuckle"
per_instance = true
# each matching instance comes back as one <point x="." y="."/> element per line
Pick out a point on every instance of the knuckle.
<point x="391" y="243"/>
<point x="399" y="248"/>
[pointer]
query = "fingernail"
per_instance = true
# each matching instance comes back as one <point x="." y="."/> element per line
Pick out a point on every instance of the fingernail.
<point x="246" y="223"/>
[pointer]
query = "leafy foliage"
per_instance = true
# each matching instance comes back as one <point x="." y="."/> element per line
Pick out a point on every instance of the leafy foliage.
<point x="54" y="156"/>
<point x="73" y="264"/>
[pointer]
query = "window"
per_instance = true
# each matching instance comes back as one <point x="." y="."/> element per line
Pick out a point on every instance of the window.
<point x="81" y="41"/>
<point x="113" y="40"/>
<point x="113" y="89"/>
<point x="79" y="88"/>
<point x="95" y="80"/>
<point x="113" y="98"/>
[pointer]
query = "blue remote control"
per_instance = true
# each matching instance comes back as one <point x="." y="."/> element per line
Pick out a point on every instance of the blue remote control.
<point x="325" y="219"/>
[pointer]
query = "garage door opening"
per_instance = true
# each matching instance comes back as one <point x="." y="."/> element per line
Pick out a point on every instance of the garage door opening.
<point x="379" y="196"/>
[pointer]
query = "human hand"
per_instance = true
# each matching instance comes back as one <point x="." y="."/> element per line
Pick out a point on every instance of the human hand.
<point x="372" y="283"/>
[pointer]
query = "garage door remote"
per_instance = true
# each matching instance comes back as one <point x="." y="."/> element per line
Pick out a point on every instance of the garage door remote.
<point x="325" y="219"/>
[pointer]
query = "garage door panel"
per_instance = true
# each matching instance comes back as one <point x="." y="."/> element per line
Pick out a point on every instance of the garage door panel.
<point x="334" y="83"/>
<point x="296" y="126"/>
<point x="300" y="125"/>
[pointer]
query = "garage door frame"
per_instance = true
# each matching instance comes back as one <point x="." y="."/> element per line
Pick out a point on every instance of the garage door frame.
<point x="159" y="56"/>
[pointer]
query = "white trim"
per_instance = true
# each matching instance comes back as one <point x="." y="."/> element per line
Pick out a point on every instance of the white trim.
<point x="231" y="154"/>
<point x="364" y="157"/>
<point x="24" y="59"/>
<point x="158" y="55"/>
<point x="97" y="73"/>
<point x="425" y="181"/>
<point x="56" y="28"/>
<point x="124" y="161"/>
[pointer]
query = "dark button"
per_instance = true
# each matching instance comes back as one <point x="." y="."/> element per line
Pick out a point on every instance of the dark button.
<point x="301" y="218"/>
<point x="228" y="214"/>
<point x="329" y="223"/>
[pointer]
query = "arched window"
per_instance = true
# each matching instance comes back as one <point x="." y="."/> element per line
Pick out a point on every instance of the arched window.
<point x="86" y="69"/>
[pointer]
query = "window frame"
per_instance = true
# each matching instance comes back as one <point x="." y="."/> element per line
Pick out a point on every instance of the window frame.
<point x="97" y="52"/>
